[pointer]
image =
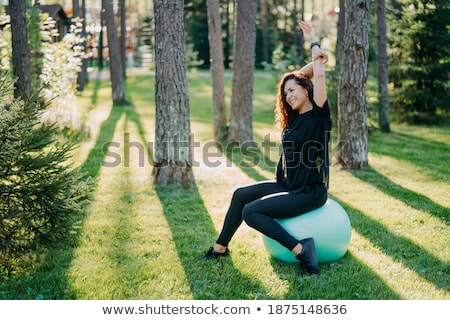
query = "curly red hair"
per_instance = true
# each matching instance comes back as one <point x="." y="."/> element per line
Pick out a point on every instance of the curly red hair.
<point x="283" y="111"/>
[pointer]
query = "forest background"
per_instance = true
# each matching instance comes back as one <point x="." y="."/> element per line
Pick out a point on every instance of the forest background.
<point x="417" y="43"/>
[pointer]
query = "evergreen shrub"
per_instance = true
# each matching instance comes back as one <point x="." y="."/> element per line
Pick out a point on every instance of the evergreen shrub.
<point x="41" y="194"/>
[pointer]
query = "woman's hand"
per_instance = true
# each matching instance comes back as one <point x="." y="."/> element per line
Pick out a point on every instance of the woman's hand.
<point x="308" y="31"/>
<point x="310" y="35"/>
<point x="319" y="57"/>
<point x="322" y="55"/>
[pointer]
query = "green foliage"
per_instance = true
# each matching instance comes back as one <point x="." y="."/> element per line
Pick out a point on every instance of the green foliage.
<point x="34" y="43"/>
<point x="282" y="61"/>
<point x="196" y="22"/>
<point x="420" y="57"/>
<point x="39" y="191"/>
<point x="192" y="60"/>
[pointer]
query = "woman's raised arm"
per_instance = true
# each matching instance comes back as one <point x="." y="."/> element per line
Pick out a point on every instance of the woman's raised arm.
<point x="319" y="58"/>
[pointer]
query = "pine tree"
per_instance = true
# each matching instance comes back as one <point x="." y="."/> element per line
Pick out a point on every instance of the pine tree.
<point x="40" y="194"/>
<point x="420" y="64"/>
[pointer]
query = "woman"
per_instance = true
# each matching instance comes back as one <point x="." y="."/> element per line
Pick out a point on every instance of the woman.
<point x="303" y="115"/>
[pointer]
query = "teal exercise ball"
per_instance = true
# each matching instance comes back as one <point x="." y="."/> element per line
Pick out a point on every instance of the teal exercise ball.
<point x="330" y="227"/>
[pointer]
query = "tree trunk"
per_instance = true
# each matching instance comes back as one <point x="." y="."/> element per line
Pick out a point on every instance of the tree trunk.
<point x="173" y="155"/>
<point x="340" y="33"/>
<point x="82" y="75"/>
<point x="115" y="58"/>
<point x="352" y="103"/>
<point x="265" y="30"/>
<point x="20" y="49"/>
<point x="383" y="96"/>
<point x="123" y="36"/>
<point x="241" y="120"/>
<point x="227" y="35"/>
<point x="217" y="68"/>
<point x="75" y="8"/>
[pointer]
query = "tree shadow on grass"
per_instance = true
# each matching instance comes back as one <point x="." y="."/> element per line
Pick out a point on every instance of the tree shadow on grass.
<point x="95" y="159"/>
<point x="92" y="167"/>
<point x="247" y="158"/>
<point x="50" y="280"/>
<point x="399" y="248"/>
<point x="431" y="156"/>
<point x="346" y="279"/>
<point x="97" y="85"/>
<point x="193" y="232"/>
<point x="412" y="199"/>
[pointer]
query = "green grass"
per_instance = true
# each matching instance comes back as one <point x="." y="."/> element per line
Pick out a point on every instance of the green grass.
<point x="138" y="241"/>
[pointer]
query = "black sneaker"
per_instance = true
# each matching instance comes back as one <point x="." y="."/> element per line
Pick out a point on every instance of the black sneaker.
<point x="308" y="258"/>
<point x="211" y="254"/>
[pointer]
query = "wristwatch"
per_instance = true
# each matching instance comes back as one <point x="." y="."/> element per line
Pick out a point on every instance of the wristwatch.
<point x="315" y="43"/>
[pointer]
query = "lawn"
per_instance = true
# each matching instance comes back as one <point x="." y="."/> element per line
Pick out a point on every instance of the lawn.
<point x="140" y="241"/>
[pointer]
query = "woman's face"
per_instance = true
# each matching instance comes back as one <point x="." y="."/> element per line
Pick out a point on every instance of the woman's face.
<point x="296" y="95"/>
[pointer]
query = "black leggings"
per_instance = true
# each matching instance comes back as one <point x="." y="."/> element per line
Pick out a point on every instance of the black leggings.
<point x="260" y="203"/>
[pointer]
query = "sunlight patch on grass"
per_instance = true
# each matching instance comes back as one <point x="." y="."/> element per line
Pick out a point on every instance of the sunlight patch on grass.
<point x="262" y="130"/>
<point x="216" y="184"/>
<point x="253" y="261"/>
<point x="400" y="172"/>
<point x="95" y="118"/>
<point x="394" y="215"/>
<point x="202" y="133"/>
<point x="426" y="153"/>
<point x="406" y="282"/>
<point x="127" y="245"/>
<point x="437" y="134"/>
